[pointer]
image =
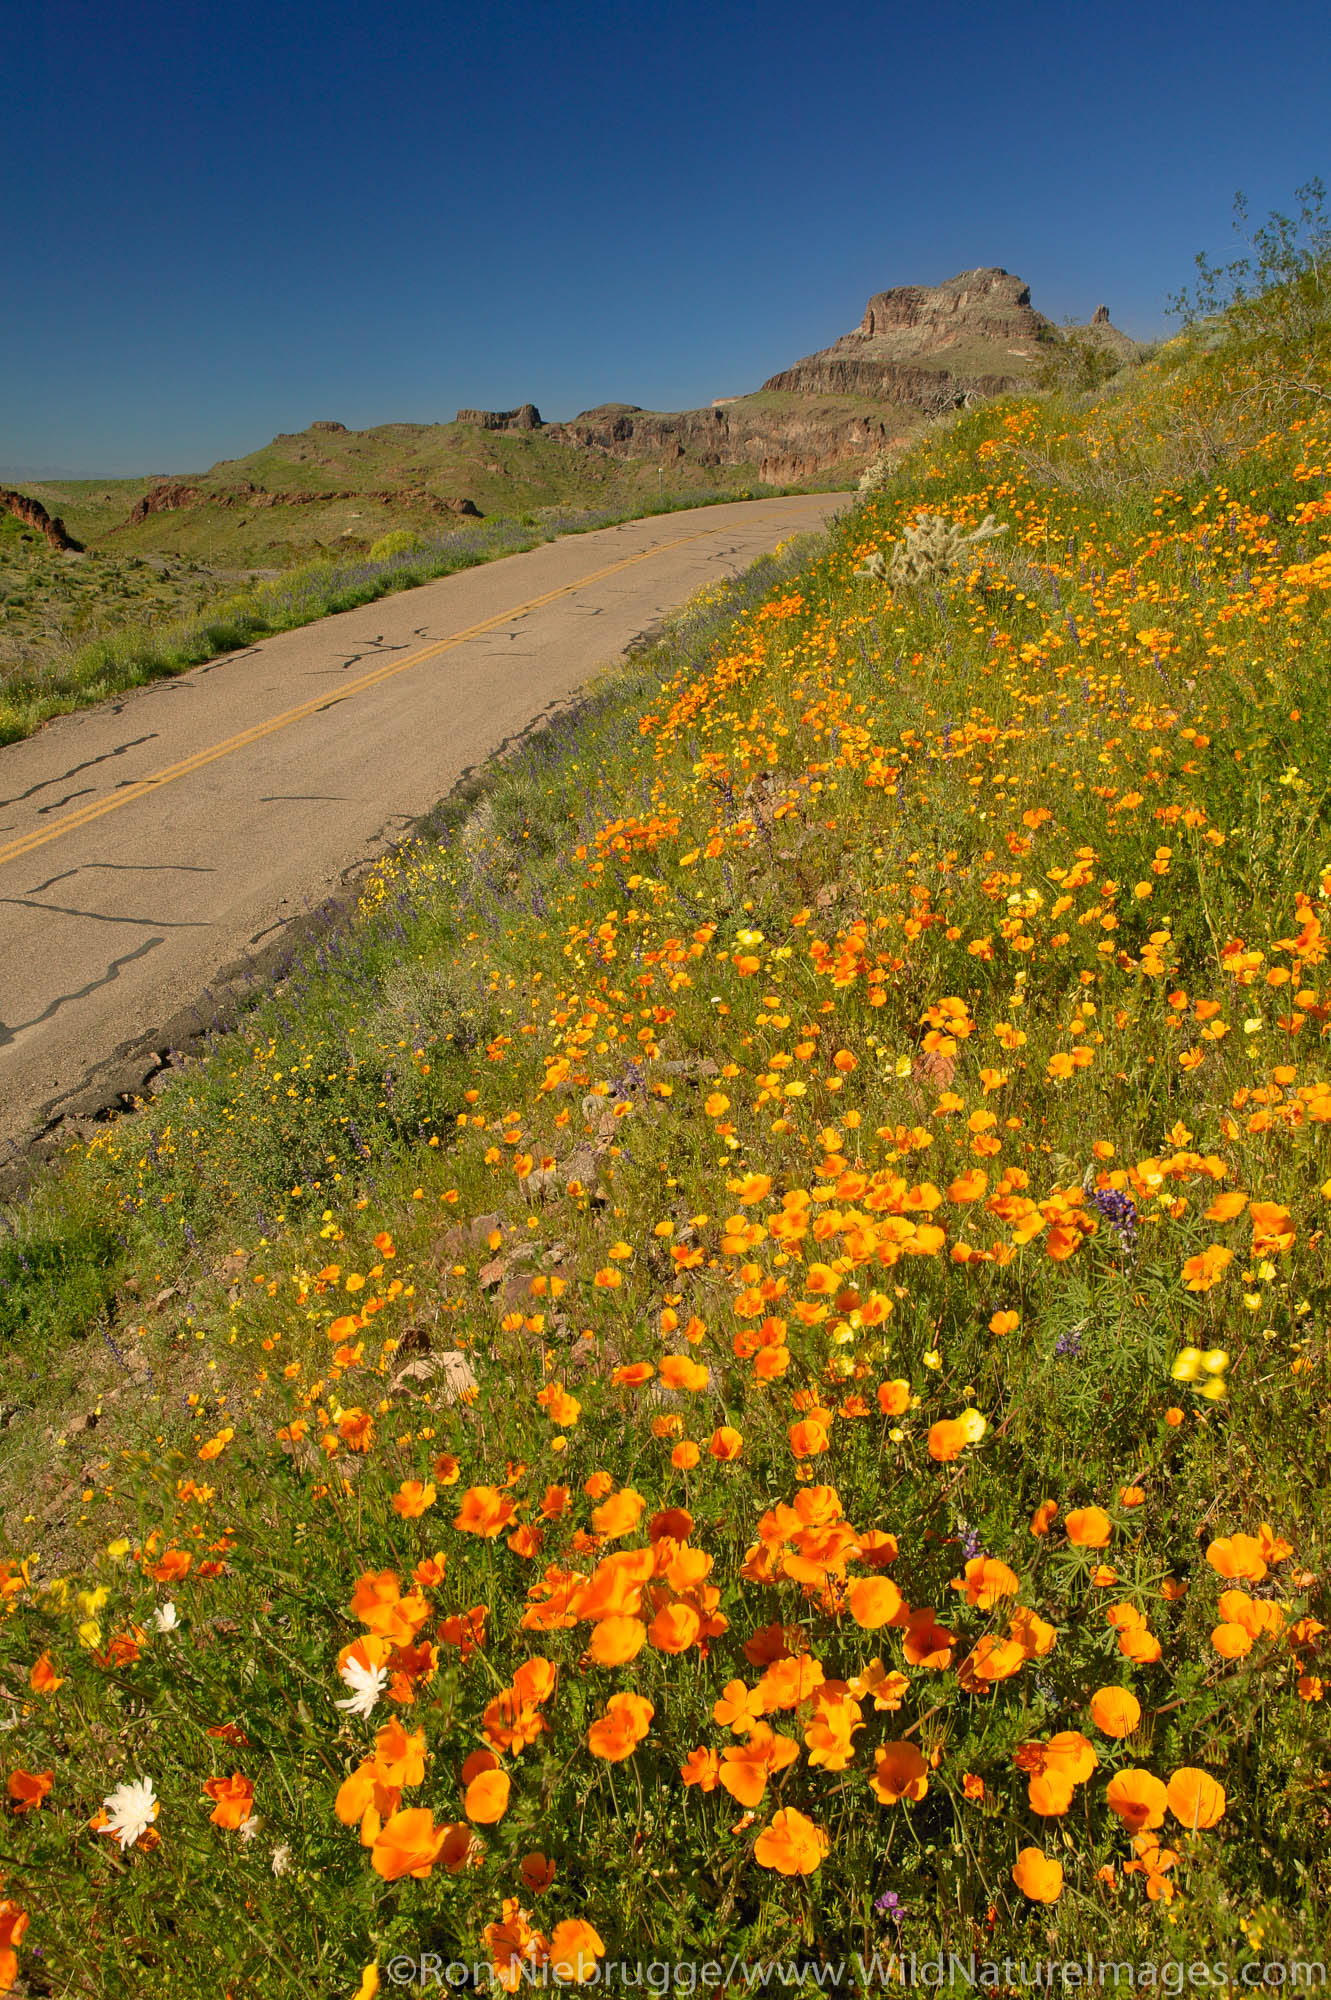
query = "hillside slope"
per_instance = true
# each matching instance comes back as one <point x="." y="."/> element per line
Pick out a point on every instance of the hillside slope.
<point x="759" y="1322"/>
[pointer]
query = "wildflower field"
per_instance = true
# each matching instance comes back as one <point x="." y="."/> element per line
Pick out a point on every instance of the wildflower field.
<point x="741" y="1367"/>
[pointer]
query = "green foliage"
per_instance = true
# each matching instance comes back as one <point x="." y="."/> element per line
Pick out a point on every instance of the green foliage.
<point x="1271" y="302"/>
<point x="395" y="543"/>
<point x="1076" y="364"/>
<point x="54" y="1284"/>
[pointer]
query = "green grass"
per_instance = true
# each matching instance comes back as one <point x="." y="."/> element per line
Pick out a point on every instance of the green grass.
<point x="858" y="1012"/>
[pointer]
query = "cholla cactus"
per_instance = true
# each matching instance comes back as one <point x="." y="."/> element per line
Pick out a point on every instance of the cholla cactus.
<point x="875" y="473"/>
<point x="931" y="548"/>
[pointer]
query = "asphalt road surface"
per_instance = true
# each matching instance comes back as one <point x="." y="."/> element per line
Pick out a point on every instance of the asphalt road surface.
<point x="153" y="844"/>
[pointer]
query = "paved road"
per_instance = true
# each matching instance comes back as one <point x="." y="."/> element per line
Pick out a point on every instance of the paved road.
<point x="148" y="844"/>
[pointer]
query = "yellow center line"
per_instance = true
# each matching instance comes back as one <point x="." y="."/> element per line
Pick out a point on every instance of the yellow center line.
<point x="127" y="794"/>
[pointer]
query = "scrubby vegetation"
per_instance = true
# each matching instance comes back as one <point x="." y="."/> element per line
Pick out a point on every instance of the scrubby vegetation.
<point x="740" y="1371"/>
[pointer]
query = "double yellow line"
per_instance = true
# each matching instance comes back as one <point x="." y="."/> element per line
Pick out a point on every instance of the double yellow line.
<point x="142" y="787"/>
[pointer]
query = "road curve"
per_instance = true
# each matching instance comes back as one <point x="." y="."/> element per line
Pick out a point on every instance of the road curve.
<point x="151" y="843"/>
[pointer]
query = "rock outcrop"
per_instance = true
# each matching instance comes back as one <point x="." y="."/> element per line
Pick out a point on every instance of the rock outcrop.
<point x="526" y="418"/>
<point x="803" y="440"/>
<point x="931" y="346"/>
<point x="32" y="513"/>
<point x="171" y="495"/>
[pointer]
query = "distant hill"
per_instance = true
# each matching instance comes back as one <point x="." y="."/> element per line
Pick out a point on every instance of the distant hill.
<point x="917" y="351"/>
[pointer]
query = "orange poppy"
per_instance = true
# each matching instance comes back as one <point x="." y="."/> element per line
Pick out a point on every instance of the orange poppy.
<point x="1089" y="1527"/>
<point x="675" y="1628"/>
<point x="233" y="1799"/>
<point x="894" y="1397"/>
<point x="574" y="1950"/>
<point x="994" y="1659"/>
<point x="676" y="1523"/>
<point x="927" y="1643"/>
<point x="409" y="1843"/>
<point x="616" y="1640"/>
<point x="632" y="1374"/>
<point x="808" y="1437"/>
<point x="679" y="1372"/>
<point x="537" y="1872"/>
<point x="399" y="1757"/>
<point x="619" y="1515"/>
<point x="874" y="1601"/>
<point x="1137" y="1798"/>
<point x="746" y="1767"/>
<point x="787" y="1684"/>
<point x="1050" y="1792"/>
<point x="985" y="1581"/>
<point x="1207" y="1268"/>
<point x="900" y="1773"/>
<point x="1039" y="1878"/>
<point x="1239" y="1557"/>
<point x="413" y="1497"/>
<point x="28" y="1788"/>
<point x="486" y="1797"/>
<point x="791" y="1844"/>
<point x="947" y="1440"/>
<point x="485" y="1511"/>
<point x="702" y="1768"/>
<point x="476" y="1762"/>
<point x="1115" y="1711"/>
<point x="43" y="1678"/>
<point x="726" y="1443"/>
<point x="1196" y="1799"/>
<point x="617" y="1734"/>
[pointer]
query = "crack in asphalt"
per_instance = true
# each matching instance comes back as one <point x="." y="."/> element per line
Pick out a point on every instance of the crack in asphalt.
<point x="102" y="916"/>
<point x="373" y="649"/>
<point x="88" y="763"/>
<point x="113" y="971"/>
<point x="124" y="868"/>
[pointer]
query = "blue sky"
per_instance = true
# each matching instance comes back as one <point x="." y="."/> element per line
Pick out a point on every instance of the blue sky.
<point x="218" y="221"/>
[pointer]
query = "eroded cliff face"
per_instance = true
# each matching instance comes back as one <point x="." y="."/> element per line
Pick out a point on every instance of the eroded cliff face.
<point x="34" y="515"/>
<point x="988" y="304"/>
<point x="786" y="444"/>
<point x="932" y="346"/>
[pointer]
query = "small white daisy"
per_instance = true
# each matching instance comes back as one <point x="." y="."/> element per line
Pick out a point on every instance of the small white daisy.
<point x="366" y="1684"/>
<point x="130" y="1810"/>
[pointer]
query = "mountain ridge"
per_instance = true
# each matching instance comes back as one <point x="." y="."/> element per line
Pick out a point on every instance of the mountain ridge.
<point x="917" y="352"/>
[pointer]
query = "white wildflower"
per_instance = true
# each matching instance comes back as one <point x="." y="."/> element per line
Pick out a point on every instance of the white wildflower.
<point x="366" y="1684"/>
<point x="282" y="1859"/>
<point x="166" y="1618"/>
<point x="249" y="1827"/>
<point x="130" y="1811"/>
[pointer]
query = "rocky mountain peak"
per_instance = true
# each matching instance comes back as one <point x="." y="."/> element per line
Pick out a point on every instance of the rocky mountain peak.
<point x="985" y="304"/>
<point x="931" y="346"/>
